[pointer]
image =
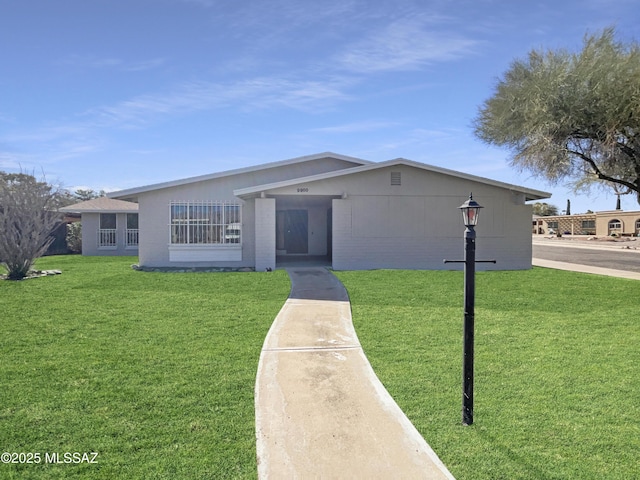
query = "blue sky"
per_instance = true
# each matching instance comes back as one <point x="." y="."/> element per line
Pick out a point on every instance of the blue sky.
<point x="108" y="94"/>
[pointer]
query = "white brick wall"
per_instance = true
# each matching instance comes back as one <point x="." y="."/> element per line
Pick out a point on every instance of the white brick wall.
<point x="265" y="233"/>
<point x="505" y="237"/>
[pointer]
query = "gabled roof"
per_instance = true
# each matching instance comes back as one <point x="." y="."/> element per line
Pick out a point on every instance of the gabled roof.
<point x="530" y="194"/>
<point x="203" y="178"/>
<point x="102" y="205"/>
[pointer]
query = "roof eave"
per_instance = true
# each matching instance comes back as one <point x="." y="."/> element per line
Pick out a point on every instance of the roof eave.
<point x="530" y="194"/>
<point x="106" y="210"/>
<point x="133" y="192"/>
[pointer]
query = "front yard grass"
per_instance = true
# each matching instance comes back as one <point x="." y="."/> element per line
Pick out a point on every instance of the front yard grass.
<point x="153" y="371"/>
<point x="556" y="378"/>
<point x="156" y="371"/>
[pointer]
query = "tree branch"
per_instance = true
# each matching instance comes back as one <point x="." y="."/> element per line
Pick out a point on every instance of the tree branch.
<point x="600" y="174"/>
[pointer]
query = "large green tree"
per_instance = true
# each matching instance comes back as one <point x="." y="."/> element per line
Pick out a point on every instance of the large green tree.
<point x="571" y="116"/>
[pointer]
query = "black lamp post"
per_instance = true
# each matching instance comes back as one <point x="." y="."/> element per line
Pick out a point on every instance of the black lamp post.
<point x="470" y="211"/>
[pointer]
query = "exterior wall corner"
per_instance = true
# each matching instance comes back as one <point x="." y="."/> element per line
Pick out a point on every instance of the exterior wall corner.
<point x="265" y="234"/>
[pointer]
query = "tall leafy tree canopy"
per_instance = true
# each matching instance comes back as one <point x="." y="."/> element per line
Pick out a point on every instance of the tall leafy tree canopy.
<point x="571" y="116"/>
<point x="544" y="209"/>
<point x="83" y="195"/>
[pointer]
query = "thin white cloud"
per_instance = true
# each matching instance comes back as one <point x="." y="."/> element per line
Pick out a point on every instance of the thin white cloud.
<point x="202" y="3"/>
<point x="89" y="133"/>
<point x="364" y="126"/>
<point x="73" y="149"/>
<point x="12" y="161"/>
<point x="44" y="134"/>
<point x="258" y="93"/>
<point x="284" y="16"/>
<point x="47" y="145"/>
<point x="111" y="63"/>
<point x="144" y="65"/>
<point x="406" y="44"/>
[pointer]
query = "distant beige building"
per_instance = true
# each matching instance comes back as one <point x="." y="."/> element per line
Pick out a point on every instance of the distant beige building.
<point x="606" y="223"/>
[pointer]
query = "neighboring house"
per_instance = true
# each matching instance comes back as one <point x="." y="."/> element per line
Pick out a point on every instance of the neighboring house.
<point x="580" y="224"/>
<point x="109" y="226"/>
<point x="606" y="223"/>
<point x="352" y="213"/>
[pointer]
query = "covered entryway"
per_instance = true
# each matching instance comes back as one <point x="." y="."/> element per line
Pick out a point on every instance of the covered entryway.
<point x="303" y="230"/>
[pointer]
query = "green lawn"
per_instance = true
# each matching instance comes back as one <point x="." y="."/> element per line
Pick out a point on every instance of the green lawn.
<point x="153" y="371"/>
<point x="557" y="365"/>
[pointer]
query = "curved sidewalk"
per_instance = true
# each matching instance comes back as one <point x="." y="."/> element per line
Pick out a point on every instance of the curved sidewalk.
<point x="321" y="412"/>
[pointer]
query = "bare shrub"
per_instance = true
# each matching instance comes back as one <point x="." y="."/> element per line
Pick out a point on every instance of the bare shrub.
<point x="28" y="216"/>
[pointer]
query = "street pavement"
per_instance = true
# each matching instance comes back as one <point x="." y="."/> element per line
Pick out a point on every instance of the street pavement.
<point x="602" y="257"/>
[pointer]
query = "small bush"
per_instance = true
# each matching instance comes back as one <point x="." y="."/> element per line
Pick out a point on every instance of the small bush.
<point x="74" y="237"/>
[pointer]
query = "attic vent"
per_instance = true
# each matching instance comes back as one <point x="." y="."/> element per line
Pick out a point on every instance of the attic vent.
<point x="396" y="179"/>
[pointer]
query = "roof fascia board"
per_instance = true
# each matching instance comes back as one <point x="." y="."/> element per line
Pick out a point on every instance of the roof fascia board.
<point x="530" y="193"/>
<point x="538" y="194"/>
<point x="255" y="168"/>
<point x="71" y="209"/>
<point x="295" y="181"/>
<point x="102" y="204"/>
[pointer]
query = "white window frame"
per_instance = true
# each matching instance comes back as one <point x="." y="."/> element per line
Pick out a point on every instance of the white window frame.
<point x="107" y="239"/>
<point x="131" y="235"/>
<point x="198" y="224"/>
<point x="614" y="226"/>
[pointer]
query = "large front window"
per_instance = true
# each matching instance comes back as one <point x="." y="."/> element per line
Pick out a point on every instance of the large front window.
<point x="205" y="223"/>
<point x="588" y="224"/>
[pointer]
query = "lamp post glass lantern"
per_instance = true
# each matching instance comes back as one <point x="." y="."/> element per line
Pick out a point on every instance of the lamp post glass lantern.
<point x="470" y="211"/>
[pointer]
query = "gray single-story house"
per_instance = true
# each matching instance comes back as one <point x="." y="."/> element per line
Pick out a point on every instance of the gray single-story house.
<point x="353" y="213"/>
<point x="109" y="226"/>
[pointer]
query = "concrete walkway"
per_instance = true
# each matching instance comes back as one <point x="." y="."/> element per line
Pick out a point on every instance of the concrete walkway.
<point x="321" y="412"/>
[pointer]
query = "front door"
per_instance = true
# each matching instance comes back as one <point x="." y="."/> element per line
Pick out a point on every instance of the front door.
<point x="296" y="231"/>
